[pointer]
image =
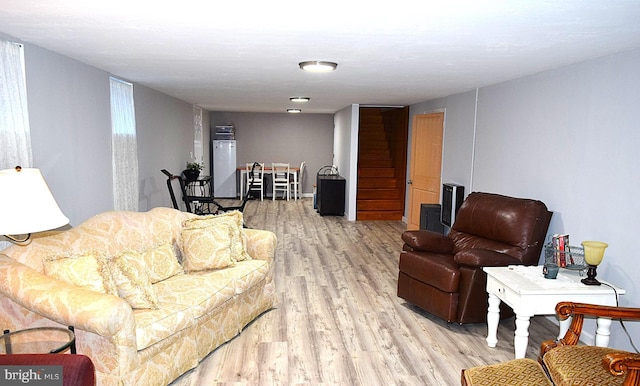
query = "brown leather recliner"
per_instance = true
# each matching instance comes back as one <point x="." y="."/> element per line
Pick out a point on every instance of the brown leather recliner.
<point x="443" y="274"/>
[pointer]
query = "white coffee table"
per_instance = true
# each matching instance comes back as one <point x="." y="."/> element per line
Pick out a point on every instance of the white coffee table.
<point x="528" y="293"/>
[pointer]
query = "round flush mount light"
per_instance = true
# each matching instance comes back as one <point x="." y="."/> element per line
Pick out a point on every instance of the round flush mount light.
<point x="294" y="111"/>
<point x="299" y="99"/>
<point x="317" y="66"/>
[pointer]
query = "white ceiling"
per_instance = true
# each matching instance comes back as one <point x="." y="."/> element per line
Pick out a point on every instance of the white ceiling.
<point x="243" y="55"/>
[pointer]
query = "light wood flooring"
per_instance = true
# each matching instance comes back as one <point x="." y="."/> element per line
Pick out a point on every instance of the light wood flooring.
<point x="338" y="320"/>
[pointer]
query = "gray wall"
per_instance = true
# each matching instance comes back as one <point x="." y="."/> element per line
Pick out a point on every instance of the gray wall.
<point x="70" y="119"/>
<point x="273" y="137"/>
<point x="568" y="137"/>
<point x="165" y="141"/>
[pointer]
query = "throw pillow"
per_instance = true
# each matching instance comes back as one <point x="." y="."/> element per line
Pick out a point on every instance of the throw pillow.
<point x="86" y="270"/>
<point x="233" y="219"/>
<point x="206" y="243"/>
<point x="132" y="280"/>
<point x="161" y="262"/>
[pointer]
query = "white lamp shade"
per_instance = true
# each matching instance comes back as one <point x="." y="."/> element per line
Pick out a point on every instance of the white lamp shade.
<point x="26" y="203"/>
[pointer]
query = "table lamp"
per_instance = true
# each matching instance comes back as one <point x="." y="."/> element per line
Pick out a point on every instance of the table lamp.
<point x="593" y="254"/>
<point x="26" y="204"/>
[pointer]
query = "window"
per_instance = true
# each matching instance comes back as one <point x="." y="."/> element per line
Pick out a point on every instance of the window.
<point x="15" y="136"/>
<point x="124" y="146"/>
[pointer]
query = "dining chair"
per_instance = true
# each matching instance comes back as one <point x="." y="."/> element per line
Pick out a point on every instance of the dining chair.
<point x="255" y="178"/>
<point x="296" y="183"/>
<point x="280" y="180"/>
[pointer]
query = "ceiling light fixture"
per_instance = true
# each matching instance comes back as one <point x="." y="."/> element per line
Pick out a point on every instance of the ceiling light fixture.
<point x="299" y="99"/>
<point x="294" y="111"/>
<point x="318" y="66"/>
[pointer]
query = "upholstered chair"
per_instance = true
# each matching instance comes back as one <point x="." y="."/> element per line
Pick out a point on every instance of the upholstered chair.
<point x="77" y="370"/>
<point x="565" y="362"/>
<point x="443" y="274"/>
<point x="568" y="363"/>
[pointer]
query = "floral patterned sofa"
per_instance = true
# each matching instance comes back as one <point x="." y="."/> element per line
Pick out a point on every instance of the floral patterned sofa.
<point x="149" y="294"/>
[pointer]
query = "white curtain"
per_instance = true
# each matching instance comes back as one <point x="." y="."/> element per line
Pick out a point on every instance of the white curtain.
<point x="15" y="137"/>
<point x="124" y="146"/>
<point x="198" y="155"/>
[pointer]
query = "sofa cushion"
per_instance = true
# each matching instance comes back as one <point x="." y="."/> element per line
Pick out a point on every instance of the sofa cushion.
<point x="202" y="291"/>
<point x="87" y="270"/>
<point x="580" y="365"/>
<point x="131" y="276"/>
<point x="517" y="372"/>
<point x="248" y="273"/>
<point x="152" y="326"/>
<point x="161" y="262"/>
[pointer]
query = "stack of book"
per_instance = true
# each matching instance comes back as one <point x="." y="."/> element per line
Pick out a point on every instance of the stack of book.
<point x="562" y="250"/>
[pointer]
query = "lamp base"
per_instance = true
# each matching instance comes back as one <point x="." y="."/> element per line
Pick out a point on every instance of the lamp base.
<point x="591" y="277"/>
<point x="590" y="281"/>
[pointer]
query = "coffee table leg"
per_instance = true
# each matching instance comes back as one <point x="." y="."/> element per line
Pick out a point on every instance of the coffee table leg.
<point x="521" y="337"/>
<point x="493" y="318"/>
<point x="602" y="332"/>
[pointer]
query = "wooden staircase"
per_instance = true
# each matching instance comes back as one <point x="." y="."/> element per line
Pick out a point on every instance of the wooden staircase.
<point x="381" y="165"/>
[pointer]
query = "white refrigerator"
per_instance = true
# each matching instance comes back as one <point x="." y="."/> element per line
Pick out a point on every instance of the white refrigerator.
<point x="224" y="168"/>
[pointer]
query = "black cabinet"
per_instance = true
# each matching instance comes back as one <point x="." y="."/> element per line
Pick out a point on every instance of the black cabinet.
<point x="430" y="218"/>
<point x="452" y="197"/>
<point x="331" y="192"/>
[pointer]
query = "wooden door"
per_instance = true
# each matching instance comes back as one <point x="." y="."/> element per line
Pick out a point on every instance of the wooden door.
<point x="425" y="164"/>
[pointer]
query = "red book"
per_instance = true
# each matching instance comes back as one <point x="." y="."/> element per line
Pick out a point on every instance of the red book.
<point x="562" y="261"/>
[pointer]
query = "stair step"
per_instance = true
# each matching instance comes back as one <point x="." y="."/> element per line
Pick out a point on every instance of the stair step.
<point x="375" y="154"/>
<point x="375" y="182"/>
<point x="371" y="194"/>
<point x="371" y="140"/>
<point x="364" y="171"/>
<point x="368" y="130"/>
<point x="378" y="205"/>
<point x="375" y="162"/>
<point x="374" y="147"/>
<point x="379" y="215"/>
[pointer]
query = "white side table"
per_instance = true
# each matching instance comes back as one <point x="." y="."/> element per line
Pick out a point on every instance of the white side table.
<point x="528" y="293"/>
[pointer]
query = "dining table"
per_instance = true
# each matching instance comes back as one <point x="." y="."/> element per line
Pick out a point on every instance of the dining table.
<point x="293" y="173"/>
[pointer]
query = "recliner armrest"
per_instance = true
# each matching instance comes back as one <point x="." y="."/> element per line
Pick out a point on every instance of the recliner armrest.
<point x="484" y="258"/>
<point x="428" y="241"/>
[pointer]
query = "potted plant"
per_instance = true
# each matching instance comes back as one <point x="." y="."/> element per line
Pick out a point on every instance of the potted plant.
<point x="192" y="171"/>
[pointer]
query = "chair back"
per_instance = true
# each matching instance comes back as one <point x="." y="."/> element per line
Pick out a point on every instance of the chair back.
<point x="280" y="172"/>
<point x="255" y="172"/>
<point x="303" y="167"/>
<point x="514" y="226"/>
<point x="280" y="179"/>
<point x="174" y="183"/>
